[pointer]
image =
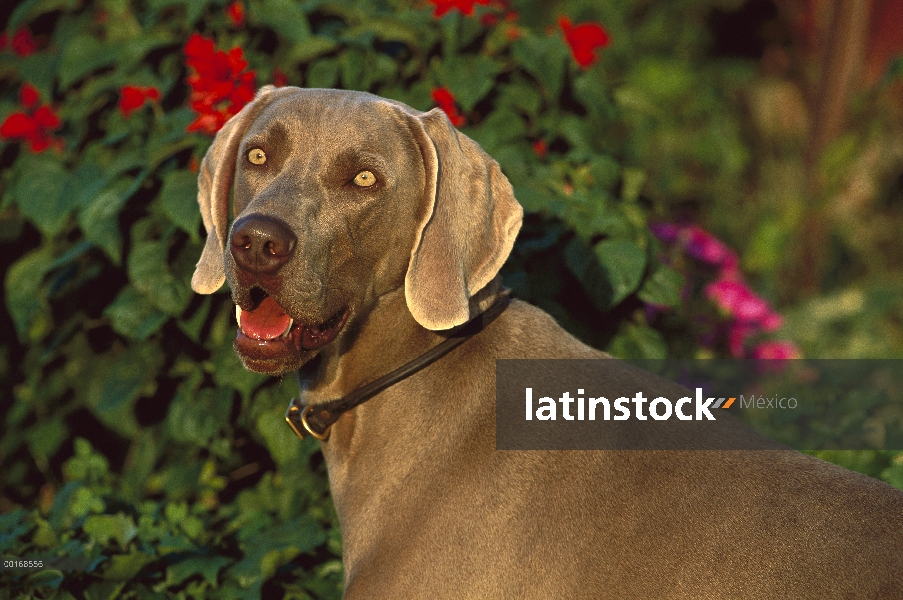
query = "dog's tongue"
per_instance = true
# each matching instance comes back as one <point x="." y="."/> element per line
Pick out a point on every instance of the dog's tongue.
<point x="267" y="322"/>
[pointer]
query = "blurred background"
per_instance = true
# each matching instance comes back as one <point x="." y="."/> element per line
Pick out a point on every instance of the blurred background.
<point x="701" y="179"/>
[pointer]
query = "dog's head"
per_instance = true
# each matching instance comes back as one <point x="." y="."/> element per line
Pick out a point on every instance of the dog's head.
<point x="341" y="197"/>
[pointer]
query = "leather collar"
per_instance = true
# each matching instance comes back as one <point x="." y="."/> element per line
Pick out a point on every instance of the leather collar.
<point x="316" y="420"/>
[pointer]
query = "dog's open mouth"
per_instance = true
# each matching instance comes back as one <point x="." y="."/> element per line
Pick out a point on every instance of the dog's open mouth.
<point x="268" y="329"/>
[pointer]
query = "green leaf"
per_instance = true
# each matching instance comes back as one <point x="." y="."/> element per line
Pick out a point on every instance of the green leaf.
<point x="123" y="567"/>
<point x="149" y="272"/>
<point x="638" y="342"/>
<point x="24" y="299"/>
<point x="610" y="272"/>
<point x="29" y="9"/>
<point x="469" y="78"/>
<point x="179" y="197"/>
<point x="40" y="70"/>
<point x="268" y="549"/>
<point x="42" y="193"/>
<point x="545" y="58"/>
<point x="207" y="566"/>
<point x="521" y="96"/>
<point x="310" y="48"/>
<point x="623" y="262"/>
<point x="128" y="374"/>
<point x="196" y="417"/>
<point x="663" y="287"/>
<point x="498" y="130"/>
<point x="47" y="436"/>
<point x="82" y="55"/>
<point x="87" y="464"/>
<point x="228" y="371"/>
<point x="99" y="219"/>
<point x="281" y="441"/>
<point x="633" y="183"/>
<point x="354" y="64"/>
<point x="133" y="316"/>
<point x="323" y="74"/>
<point x="103" y="528"/>
<point x="285" y="17"/>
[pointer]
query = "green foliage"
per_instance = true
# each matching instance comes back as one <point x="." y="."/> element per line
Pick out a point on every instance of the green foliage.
<point x="132" y="435"/>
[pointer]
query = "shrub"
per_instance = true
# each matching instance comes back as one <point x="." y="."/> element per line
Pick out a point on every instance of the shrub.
<point x="133" y="437"/>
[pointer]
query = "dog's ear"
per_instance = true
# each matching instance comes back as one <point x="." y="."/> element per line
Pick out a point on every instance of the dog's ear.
<point x="214" y="183"/>
<point x="467" y="230"/>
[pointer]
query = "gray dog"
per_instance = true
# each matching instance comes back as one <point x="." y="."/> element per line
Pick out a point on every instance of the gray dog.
<point x="365" y="231"/>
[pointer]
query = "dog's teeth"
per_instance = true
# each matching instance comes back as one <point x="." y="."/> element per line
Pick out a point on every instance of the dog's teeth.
<point x="238" y="315"/>
<point x="289" y="328"/>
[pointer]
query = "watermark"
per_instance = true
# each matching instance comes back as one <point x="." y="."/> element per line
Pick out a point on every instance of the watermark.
<point x="659" y="409"/>
<point x="698" y="405"/>
<point x="53" y="563"/>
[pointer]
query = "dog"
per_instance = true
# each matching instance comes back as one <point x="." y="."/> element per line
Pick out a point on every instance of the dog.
<point x="365" y="231"/>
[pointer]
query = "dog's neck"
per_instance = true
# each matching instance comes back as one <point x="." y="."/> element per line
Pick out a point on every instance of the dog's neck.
<point x="388" y="338"/>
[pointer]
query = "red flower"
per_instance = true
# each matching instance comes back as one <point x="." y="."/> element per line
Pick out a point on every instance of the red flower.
<point x="540" y="148"/>
<point x="34" y="126"/>
<point x="29" y="96"/>
<point x="489" y="19"/>
<point x="446" y="102"/>
<point x="584" y="40"/>
<point x="512" y="33"/>
<point x="280" y="79"/>
<point x="465" y="6"/>
<point x="22" y="43"/>
<point x="236" y="13"/>
<point x="220" y="86"/>
<point x="133" y="97"/>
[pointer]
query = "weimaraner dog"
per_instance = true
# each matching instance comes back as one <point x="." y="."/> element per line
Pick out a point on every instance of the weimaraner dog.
<point x="364" y="232"/>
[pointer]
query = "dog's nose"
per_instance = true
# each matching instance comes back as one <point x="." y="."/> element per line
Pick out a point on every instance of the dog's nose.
<point x="261" y="244"/>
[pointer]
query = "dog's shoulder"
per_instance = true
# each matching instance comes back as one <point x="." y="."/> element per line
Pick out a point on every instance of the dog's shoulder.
<point x="527" y="331"/>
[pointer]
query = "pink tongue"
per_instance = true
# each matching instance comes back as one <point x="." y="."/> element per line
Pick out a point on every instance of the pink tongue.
<point x="268" y="321"/>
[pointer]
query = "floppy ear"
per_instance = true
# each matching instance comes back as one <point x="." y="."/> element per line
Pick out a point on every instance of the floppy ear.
<point x="214" y="183"/>
<point x="466" y="232"/>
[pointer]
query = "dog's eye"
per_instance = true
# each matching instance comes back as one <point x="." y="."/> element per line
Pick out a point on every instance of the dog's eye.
<point x="364" y="179"/>
<point x="257" y="156"/>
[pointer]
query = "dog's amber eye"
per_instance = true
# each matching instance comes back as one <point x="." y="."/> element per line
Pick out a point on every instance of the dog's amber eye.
<point x="364" y="179"/>
<point x="257" y="156"/>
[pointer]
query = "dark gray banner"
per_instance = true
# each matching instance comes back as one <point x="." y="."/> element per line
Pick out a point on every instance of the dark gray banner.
<point x="808" y="404"/>
<point x="41" y="563"/>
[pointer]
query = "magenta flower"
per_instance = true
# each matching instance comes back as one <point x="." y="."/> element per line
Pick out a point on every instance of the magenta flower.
<point x="737" y="335"/>
<point x="736" y="299"/>
<point x="705" y="247"/>
<point x="748" y="313"/>
<point x="775" y="350"/>
<point x="666" y="232"/>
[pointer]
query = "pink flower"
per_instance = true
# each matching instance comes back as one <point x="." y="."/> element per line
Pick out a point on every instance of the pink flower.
<point x="701" y="245"/>
<point x="751" y="313"/>
<point x="704" y="246"/>
<point x="446" y="101"/>
<point x="737" y="335"/>
<point x="584" y="40"/>
<point x="737" y="300"/>
<point x="666" y="232"/>
<point x="775" y="350"/>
